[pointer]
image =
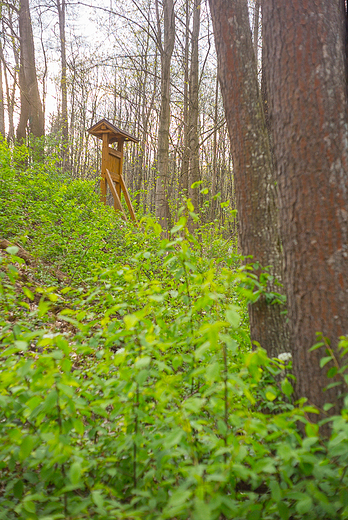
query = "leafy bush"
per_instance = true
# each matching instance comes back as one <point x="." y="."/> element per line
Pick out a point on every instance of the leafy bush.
<point x="130" y="391"/>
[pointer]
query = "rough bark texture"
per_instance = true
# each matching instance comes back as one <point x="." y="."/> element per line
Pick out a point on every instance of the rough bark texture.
<point x="31" y="106"/>
<point x="252" y="162"/>
<point x="2" y="103"/>
<point x="166" y="51"/>
<point x="186" y="152"/>
<point x="2" y="108"/>
<point x="304" y="46"/>
<point x="61" y="8"/>
<point x="193" y="108"/>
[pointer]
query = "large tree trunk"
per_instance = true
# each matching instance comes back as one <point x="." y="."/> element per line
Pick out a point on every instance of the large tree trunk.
<point x="252" y="162"/>
<point x="166" y="51"/>
<point x="304" y="56"/>
<point x="31" y="107"/>
<point x="193" y="107"/>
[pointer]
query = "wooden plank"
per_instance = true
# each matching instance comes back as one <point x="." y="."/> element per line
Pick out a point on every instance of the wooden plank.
<point x="115" y="176"/>
<point x="104" y="167"/>
<point x="128" y="200"/>
<point x="114" y="152"/>
<point x="120" y="166"/>
<point x="117" y="205"/>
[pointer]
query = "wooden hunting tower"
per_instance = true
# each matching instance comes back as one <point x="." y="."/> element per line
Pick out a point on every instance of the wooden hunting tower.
<point x="112" y="163"/>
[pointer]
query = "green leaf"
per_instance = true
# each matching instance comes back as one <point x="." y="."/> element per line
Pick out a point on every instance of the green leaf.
<point x="271" y="393"/>
<point x="173" y="438"/>
<point x="98" y="498"/>
<point x="18" y="489"/>
<point x="212" y="372"/>
<point x="79" y="426"/>
<point x="130" y="320"/>
<point x="275" y="491"/>
<point x="325" y="360"/>
<point x="177" y="228"/>
<point x="195" y="185"/>
<point x="304" y="505"/>
<point x="28" y="293"/>
<point x="287" y="388"/>
<point x="232" y="316"/>
<point x="331" y="372"/>
<point x="75" y="472"/>
<point x="43" y="307"/>
<point x="142" y="376"/>
<point x="26" y="447"/>
<point x="312" y="430"/>
<point x="265" y="465"/>
<point x="29" y="507"/>
<point x="12" y="250"/>
<point x="283" y="510"/>
<point x="142" y="362"/>
<point x="316" y="346"/>
<point x="21" y="345"/>
<point x="177" y="362"/>
<point x="200" y="351"/>
<point x="57" y="354"/>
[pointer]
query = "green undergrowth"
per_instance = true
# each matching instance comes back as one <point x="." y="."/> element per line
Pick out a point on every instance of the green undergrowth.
<point x="129" y="390"/>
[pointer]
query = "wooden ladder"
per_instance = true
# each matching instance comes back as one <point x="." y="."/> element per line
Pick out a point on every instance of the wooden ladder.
<point x="117" y="202"/>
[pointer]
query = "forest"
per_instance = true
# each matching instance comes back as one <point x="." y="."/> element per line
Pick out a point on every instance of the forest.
<point x="174" y="260"/>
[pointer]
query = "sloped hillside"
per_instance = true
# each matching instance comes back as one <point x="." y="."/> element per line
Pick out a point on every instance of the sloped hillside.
<point x="127" y="385"/>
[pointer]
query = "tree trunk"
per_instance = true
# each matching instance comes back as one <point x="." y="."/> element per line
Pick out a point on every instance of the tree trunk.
<point x="2" y="102"/>
<point x="213" y="201"/>
<point x="2" y="107"/>
<point x="31" y="107"/>
<point x="255" y="193"/>
<point x="306" y="78"/>
<point x="166" y="51"/>
<point x="186" y="153"/>
<point x="61" y="8"/>
<point x="193" y="107"/>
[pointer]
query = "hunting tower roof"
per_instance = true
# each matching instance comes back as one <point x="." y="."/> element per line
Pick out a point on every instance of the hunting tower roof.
<point x="115" y="134"/>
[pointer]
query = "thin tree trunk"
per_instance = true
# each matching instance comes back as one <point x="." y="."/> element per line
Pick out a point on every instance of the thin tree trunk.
<point x="2" y="101"/>
<point x="61" y="8"/>
<point x="166" y="51"/>
<point x="186" y="153"/>
<point x="31" y="107"/>
<point x="215" y="153"/>
<point x="2" y="107"/>
<point x="257" y="212"/>
<point x="193" y="107"/>
<point x="308" y="103"/>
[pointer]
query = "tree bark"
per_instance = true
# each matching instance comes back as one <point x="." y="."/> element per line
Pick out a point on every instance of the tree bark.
<point x="305" y="67"/>
<point x="213" y="202"/>
<point x="166" y="51"/>
<point x="186" y="153"/>
<point x="193" y="107"/>
<point x="61" y="9"/>
<point x="2" y="107"/>
<point x="31" y="107"/>
<point x="252" y="162"/>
